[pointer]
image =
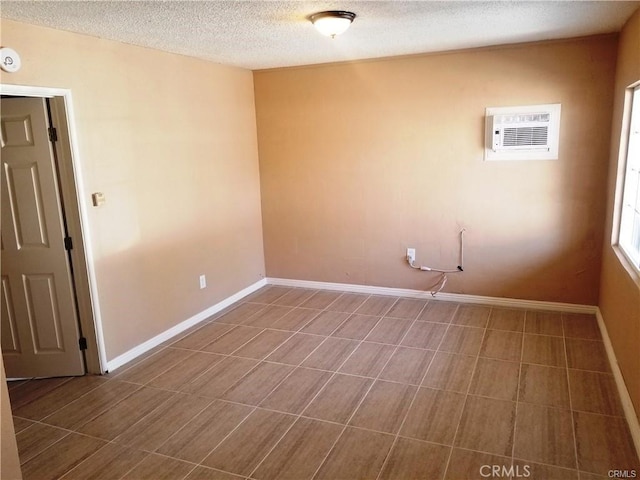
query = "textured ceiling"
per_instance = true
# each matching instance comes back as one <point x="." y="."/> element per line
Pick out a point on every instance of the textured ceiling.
<point x="267" y="34"/>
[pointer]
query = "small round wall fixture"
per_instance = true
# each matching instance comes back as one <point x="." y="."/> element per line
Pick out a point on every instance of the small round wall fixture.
<point x="332" y="22"/>
<point x="9" y="60"/>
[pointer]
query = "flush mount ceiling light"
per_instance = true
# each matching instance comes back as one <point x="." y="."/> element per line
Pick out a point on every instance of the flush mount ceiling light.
<point x="333" y="22"/>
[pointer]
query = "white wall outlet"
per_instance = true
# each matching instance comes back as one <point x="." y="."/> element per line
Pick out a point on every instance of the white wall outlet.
<point x="411" y="255"/>
<point x="203" y="281"/>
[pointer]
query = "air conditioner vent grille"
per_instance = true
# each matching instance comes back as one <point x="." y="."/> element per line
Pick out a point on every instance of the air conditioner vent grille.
<point x="525" y="136"/>
<point x="526" y="132"/>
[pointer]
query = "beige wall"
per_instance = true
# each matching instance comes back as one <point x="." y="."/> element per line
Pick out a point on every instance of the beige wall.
<point x="171" y="141"/>
<point x="359" y="161"/>
<point x="620" y="286"/>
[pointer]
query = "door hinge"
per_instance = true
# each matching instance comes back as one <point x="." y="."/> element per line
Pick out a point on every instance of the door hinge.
<point x="82" y="342"/>
<point x="53" y="134"/>
<point x="68" y="243"/>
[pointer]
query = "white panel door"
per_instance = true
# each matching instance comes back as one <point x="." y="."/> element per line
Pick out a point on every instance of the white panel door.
<point x="39" y="327"/>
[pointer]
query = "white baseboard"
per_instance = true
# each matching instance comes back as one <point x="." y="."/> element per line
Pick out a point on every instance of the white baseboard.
<point x="627" y="404"/>
<point x="447" y="297"/>
<point x="182" y="326"/>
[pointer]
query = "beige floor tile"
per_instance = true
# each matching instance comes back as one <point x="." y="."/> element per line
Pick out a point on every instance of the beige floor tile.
<point x="339" y="398"/>
<point x="487" y="425"/>
<point x="296" y="391"/>
<point x="424" y="335"/>
<point x="36" y="438"/>
<point x="496" y="379"/>
<point x="506" y="319"/>
<point x="592" y="476"/>
<point x="581" y="325"/>
<point x="466" y="465"/>
<point x="206" y="473"/>
<point x="157" y="467"/>
<point x="61" y="457"/>
<point x="245" y="448"/>
<point x="300" y="452"/>
<point x="472" y="316"/>
<point x="587" y="355"/>
<point x="331" y="354"/>
<point x="296" y="319"/>
<point x="232" y="340"/>
<point x="19" y="424"/>
<point x="114" y="421"/>
<point x="450" y="372"/>
<point x="411" y="459"/>
<point x="182" y="373"/>
<point x="267" y="294"/>
<point x="13" y="384"/>
<point x="296" y="349"/>
<point x="153" y="366"/>
<point x="537" y="471"/>
<point x="215" y="381"/>
<point x="156" y="428"/>
<point x="407" y="308"/>
<point x="263" y="344"/>
<point x="27" y="392"/>
<point x="462" y="340"/>
<point x="438" y="312"/>
<point x="203" y="336"/>
<point x="384" y="407"/>
<point x="348" y="302"/>
<point x="91" y="405"/>
<point x="111" y="461"/>
<point x="357" y="454"/>
<point x="544" y="350"/>
<point x="298" y="431"/>
<point x="434" y="416"/>
<point x="325" y="323"/>
<point x="257" y="384"/>
<point x="376" y="305"/>
<point x="205" y="431"/>
<point x="241" y="314"/>
<point x="502" y="345"/>
<point x="356" y="327"/>
<point x="389" y="330"/>
<point x="604" y="443"/>
<point x="544" y="435"/>
<point x="594" y="392"/>
<point x="544" y="386"/>
<point x="543" y="323"/>
<point x="294" y="297"/>
<point x="57" y="398"/>
<point x="266" y="317"/>
<point x="407" y="365"/>
<point x="321" y="299"/>
<point x="139" y="359"/>
<point x="368" y="359"/>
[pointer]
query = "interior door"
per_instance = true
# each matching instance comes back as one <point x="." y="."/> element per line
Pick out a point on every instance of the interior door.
<point x="39" y="329"/>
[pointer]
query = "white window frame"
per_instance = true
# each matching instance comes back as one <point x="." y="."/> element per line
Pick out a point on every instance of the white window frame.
<point x="628" y="237"/>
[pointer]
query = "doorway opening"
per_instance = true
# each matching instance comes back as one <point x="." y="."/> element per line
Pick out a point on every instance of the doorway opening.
<point x="44" y="222"/>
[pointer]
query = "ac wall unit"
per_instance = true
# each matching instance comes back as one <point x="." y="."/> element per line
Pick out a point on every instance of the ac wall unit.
<point x="522" y="133"/>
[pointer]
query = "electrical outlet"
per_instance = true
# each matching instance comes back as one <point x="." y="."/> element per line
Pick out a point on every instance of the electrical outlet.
<point x="203" y="281"/>
<point x="411" y="255"/>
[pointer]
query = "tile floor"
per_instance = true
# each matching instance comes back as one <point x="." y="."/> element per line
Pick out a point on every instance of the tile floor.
<point x="300" y="384"/>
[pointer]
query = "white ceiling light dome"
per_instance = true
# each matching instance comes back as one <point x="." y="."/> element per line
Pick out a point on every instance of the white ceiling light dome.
<point x="332" y="22"/>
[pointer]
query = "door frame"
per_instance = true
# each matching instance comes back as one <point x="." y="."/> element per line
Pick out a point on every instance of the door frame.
<point x="73" y="192"/>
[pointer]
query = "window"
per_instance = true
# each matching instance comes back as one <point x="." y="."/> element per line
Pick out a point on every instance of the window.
<point x="629" y="239"/>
